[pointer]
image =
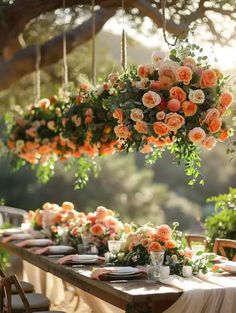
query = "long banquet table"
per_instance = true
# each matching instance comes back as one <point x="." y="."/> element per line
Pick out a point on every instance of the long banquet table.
<point x="135" y="296"/>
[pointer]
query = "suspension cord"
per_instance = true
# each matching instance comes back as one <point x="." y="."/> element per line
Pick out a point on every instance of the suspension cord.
<point x="163" y="6"/>
<point x="65" y="66"/>
<point x="37" y="72"/>
<point x="93" y="44"/>
<point x="123" y="39"/>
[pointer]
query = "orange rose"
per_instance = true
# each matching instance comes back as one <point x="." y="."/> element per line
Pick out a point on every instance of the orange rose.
<point x="146" y="149"/>
<point x="136" y="115"/>
<point x="160" y="115"/>
<point x="209" y="142"/>
<point x="184" y="74"/>
<point x="197" y="134"/>
<point x="160" y="128"/>
<point x="118" y="114"/>
<point x="151" y="99"/>
<point x="141" y="127"/>
<point x="173" y="105"/>
<point x="226" y="99"/>
<point x="174" y="121"/>
<point x="189" y="108"/>
<point x="164" y="232"/>
<point x="68" y="206"/>
<point x="44" y="103"/>
<point x="122" y="131"/>
<point x="224" y="134"/>
<point x="145" y="70"/>
<point x="44" y="149"/>
<point x="97" y="230"/>
<point x="215" y="125"/>
<point x="208" y="78"/>
<point x="155" y="246"/>
<point x="178" y="93"/>
<point x="170" y="244"/>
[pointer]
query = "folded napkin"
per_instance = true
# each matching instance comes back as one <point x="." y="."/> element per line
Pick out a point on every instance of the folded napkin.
<point x="99" y="274"/>
<point x="16" y="237"/>
<point x="203" y="294"/>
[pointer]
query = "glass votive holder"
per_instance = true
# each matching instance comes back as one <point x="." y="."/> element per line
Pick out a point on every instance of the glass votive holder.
<point x="114" y="246"/>
<point x="93" y="249"/>
<point x="164" y="271"/>
<point x="26" y="226"/>
<point x="187" y="271"/>
<point x="153" y="272"/>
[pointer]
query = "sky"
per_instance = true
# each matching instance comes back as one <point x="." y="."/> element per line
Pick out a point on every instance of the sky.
<point x="225" y="55"/>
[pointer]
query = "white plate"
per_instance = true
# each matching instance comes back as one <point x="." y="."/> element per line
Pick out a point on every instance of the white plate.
<point x="123" y="270"/>
<point x="39" y="242"/>
<point x="228" y="266"/>
<point x="61" y="249"/>
<point x="11" y="231"/>
<point x="22" y="236"/>
<point x="85" y="257"/>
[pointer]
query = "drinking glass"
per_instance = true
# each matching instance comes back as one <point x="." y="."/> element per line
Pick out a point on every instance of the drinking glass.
<point x="157" y="259"/>
<point x="114" y="246"/>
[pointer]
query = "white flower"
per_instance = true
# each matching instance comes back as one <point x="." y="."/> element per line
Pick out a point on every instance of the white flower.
<point x="158" y="57"/>
<point x="196" y="96"/>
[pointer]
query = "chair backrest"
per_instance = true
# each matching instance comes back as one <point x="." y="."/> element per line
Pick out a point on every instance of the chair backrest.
<point x="12" y="216"/>
<point x="6" y="291"/>
<point x="191" y="238"/>
<point x="221" y="244"/>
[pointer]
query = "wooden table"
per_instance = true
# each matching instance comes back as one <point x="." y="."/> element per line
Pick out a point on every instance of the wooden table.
<point x="136" y="296"/>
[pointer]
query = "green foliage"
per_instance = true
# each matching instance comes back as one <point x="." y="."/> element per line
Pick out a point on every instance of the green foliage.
<point x="222" y="224"/>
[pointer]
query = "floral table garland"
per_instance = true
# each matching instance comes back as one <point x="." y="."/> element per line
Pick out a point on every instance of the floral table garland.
<point x="175" y="103"/>
<point x="103" y="224"/>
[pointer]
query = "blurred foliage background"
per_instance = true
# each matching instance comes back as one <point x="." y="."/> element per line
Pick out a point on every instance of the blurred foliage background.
<point x="157" y="193"/>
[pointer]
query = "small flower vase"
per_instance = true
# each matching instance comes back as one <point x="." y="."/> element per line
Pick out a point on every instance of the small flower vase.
<point x="187" y="271"/>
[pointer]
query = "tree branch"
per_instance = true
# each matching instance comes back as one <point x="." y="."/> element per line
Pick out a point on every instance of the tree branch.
<point x="17" y="15"/>
<point x="23" y="61"/>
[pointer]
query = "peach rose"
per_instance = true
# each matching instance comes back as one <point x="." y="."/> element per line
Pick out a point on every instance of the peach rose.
<point x="113" y="78"/>
<point x="68" y="206"/>
<point x="151" y="99"/>
<point x="122" y="131"/>
<point x="164" y="232"/>
<point x="173" y="105"/>
<point x="142" y="83"/>
<point x="101" y="213"/>
<point x="168" y="69"/>
<point x="160" y="115"/>
<point x="127" y="228"/>
<point x="118" y="114"/>
<point x="51" y="125"/>
<point x="155" y="246"/>
<point x="224" y="134"/>
<point x="197" y="134"/>
<point x="174" y="121"/>
<point x="209" y="142"/>
<point x="44" y="103"/>
<point x="226" y="99"/>
<point x="208" y="78"/>
<point x="160" y="128"/>
<point x="136" y="115"/>
<point x="141" y="127"/>
<point x="196" y="96"/>
<point x="215" y="125"/>
<point x="190" y="62"/>
<point x="178" y="93"/>
<point x="146" y="149"/>
<point x="32" y="132"/>
<point x="145" y="70"/>
<point x="97" y="230"/>
<point x="75" y="231"/>
<point x="211" y="114"/>
<point x="189" y="108"/>
<point x="170" y="244"/>
<point x="184" y="74"/>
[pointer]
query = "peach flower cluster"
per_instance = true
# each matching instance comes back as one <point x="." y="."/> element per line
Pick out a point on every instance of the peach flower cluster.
<point x="170" y="100"/>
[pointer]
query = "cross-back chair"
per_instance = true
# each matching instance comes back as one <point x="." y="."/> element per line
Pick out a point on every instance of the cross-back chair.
<point x="191" y="238"/>
<point x="221" y="244"/>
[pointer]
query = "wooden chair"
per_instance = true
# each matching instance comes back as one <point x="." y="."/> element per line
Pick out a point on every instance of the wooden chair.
<point x="12" y="216"/>
<point x="221" y="244"/>
<point x="27" y="287"/>
<point x="190" y="238"/>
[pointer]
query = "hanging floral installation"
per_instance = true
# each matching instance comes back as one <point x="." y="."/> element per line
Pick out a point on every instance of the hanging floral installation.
<point x="176" y="103"/>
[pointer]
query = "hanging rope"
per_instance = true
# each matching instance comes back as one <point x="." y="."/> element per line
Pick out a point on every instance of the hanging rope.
<point x="123" y="39"/>
<point x="163" y="6"/>
<point x="65" y="66"/>
<point x="37" y="72"/>
<point x="93" y="44"/>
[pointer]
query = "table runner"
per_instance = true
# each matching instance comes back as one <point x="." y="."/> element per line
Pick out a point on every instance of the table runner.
<point x="204" y="294"/>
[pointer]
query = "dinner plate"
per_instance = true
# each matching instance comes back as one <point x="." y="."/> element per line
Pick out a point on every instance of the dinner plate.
<point x="126" y="276"/>
<point x="60" y="249"/>
<point x="11" y="231"/>
<point x="72" y="262"/>
<point x="123" y="270"/>
<point x="228" y="267"/>
<point x="39" y="243"/>
<point x="84" y="259"/>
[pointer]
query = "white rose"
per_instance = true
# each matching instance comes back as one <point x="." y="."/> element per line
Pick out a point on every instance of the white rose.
<point x="196" y="96"/>
<point x="158" y="57"/>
